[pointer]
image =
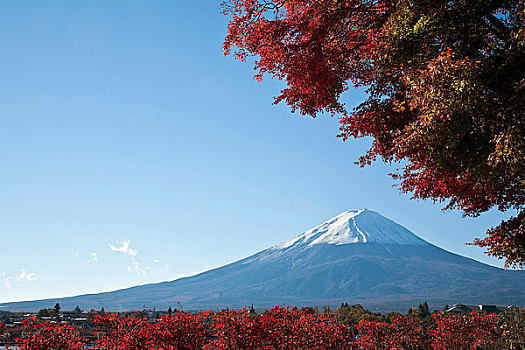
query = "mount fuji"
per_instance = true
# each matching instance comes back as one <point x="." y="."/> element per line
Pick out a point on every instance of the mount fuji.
<point x="356" y="257"/>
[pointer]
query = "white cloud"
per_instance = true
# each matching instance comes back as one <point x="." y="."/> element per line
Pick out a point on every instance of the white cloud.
<point x="5" y="279"/>
<point x="144" y="270"/>
<point x="93" y="259"/>
<point x="124" y="247"/>
<point x="135" y="267"/>
<point x="156" y="261"/>
<point x="24" y="275"/>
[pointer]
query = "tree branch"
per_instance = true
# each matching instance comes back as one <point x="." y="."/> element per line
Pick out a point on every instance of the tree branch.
<point x="497" y="27"/>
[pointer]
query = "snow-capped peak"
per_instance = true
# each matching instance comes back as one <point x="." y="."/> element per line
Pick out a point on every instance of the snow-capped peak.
<point x="356" y="226"/>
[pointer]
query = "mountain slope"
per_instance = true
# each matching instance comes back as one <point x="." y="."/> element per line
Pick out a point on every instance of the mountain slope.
<point x="358" y="256"/>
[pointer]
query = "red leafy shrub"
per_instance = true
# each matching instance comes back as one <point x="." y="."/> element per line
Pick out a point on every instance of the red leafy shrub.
<point x="280" y="329"/>
<point x="128" y="333"/>
<point x="373" y="335"/>
<point x="458" y="332"/>
<point x="447" y="332"/>
<point x="237" y="330"/>
<point x="181" y="331"/>
<point x="294" y="329"/>
<point x="408" y="333"/>
<point x="49" y="336"/>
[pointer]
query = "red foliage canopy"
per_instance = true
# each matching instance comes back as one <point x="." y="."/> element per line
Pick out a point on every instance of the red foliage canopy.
<point x="445" y="82"/>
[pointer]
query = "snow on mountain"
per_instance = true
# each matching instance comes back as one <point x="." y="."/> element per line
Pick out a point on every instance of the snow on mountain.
<point x="356" y="226"/>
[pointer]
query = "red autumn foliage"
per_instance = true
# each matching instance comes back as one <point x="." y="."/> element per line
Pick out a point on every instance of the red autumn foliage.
<point x="49" y="335"/>
<point x="237" y="330"/>
<point x="458" y="332"/>
<point x="291" y="329"/>
<point x="279" y="329"/>
<point x="182" y="331"/>
<point x="445" y="84"/>
<point x="130" y="333"/>
<point x="403" y="333"/>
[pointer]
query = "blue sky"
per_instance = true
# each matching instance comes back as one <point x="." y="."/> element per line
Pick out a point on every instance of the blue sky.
<point x="133" y="151"/>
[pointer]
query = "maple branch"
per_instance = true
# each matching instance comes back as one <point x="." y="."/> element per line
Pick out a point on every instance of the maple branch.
<point x="497" y="27"/>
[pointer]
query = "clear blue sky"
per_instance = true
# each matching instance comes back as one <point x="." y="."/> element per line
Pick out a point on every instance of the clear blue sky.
<point x="133" y="151"/>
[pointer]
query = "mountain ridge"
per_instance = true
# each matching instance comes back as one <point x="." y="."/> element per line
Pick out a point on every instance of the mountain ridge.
<point x="357" y="256"/>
